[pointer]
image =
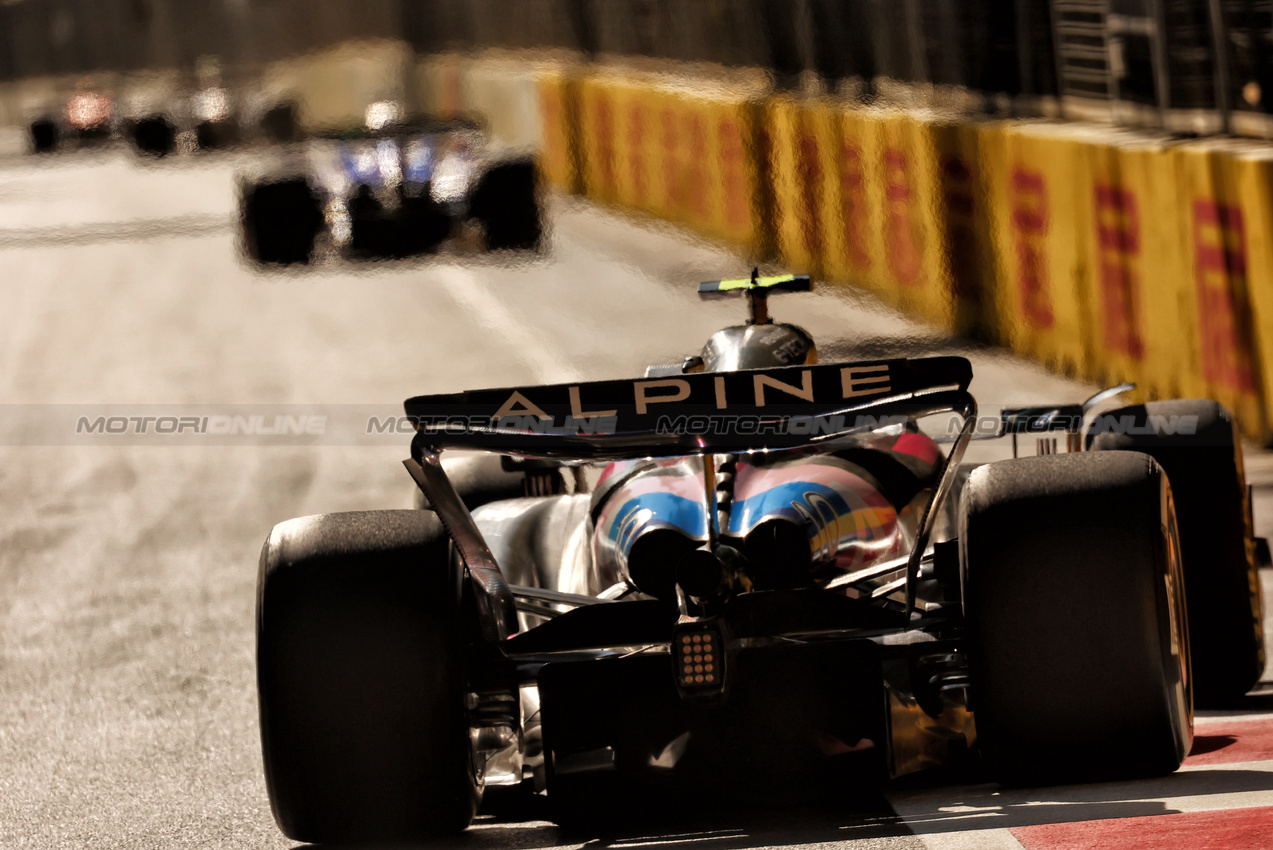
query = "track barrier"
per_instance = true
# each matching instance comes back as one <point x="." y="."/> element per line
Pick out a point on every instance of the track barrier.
<point x="1217" y="255"/>
<point x="1106" y="254"/>
<point x="1253" y="179"/>
<point x="683" y="153"/>
<point x="556" y="93"/>
<point x="1140" y="291"/>
<point x="1035" y="175"/>
<point x="1111" y="255"/>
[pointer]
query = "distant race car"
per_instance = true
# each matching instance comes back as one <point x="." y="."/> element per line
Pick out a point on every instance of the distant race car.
<point x="394" y="189"/>
<point x="777" y="575"/>
<point x="87" y="117"/>
<point x="212" y="117"/>
<point x="205" y="119"/>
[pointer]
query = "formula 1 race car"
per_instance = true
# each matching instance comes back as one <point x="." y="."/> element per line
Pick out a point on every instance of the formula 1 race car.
<point x="87" y="118"/>
<point x="206" y="119"/>
<point x="393" y="189"/>
<point x="777" y="575"/>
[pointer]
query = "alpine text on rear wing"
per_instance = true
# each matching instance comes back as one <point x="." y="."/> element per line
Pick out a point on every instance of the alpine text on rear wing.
<point x="694" y="412"/>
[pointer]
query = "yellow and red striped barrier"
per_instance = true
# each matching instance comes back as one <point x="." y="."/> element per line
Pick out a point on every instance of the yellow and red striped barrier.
<point x="1035" y="176"/>
<point x="799" y="159"/>
<point x="884" y="199"/>
<point x="556" y="91"/>
<point x="1217" y="254"/>
<point x="1106" y="254"/>
<point x="1254" y="200"/>
<point x="1139" y="291"/>
<point x="964" y="220"/>
<point x="681" y="153"/>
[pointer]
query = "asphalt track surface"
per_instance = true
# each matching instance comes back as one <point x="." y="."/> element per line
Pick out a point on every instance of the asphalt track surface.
<point x="128" y="570"/>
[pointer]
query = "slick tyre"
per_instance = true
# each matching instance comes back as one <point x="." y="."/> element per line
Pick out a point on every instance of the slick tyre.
<point x="155" y="136"/>
<point x="361" y="679"/>
<point x="281" y="220"/>
<point x="1077" y="639"/>
<point x="506" y="204"/>
<point x="44" y="136"/>
<point x="1203" y="460"/>
<point x="215" y="135"/>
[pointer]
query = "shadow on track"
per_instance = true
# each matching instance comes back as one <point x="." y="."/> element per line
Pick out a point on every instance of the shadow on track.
<point x="522" y="822"/>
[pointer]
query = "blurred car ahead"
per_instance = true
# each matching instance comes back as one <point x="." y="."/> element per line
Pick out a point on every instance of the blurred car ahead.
<point x="87" y="117"/>
<point x="389" y="190"/>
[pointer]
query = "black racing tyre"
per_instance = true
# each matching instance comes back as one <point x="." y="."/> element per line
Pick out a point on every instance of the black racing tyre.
<point x="216" y="135"/>
<point x="479" y="479"/>
<point x="281" y="220"/>
<point x="1222" y="582"/>
<point x="373" y="232"/>
<point x="155" y="136"/>
<point x="44" y="136"/>
<point x="506" y="203"/>
<point x="1077" y="639"/>
<point x="361" y="679"/>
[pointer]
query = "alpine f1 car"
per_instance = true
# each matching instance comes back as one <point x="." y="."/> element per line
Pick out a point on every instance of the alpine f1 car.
<point x="392" y="189"/>
<point x="777" y="574"/>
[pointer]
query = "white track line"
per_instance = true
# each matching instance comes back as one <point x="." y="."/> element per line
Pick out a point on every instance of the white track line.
<point x="973" y="839"/>
<point x="472" y="294"/>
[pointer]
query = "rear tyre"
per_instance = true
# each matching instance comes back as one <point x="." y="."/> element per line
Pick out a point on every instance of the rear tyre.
<point x="215" y="135"/>
<point x="155" y="136"/>
<point x="1222" y="582"/>
<point x="373" y="233"/>
<point x="281" y="220"/>
<point x="1077" y="639"/>
<point x="361" y="679"/>
<point x="44" y="136"/>
<point x="506" y="203"/>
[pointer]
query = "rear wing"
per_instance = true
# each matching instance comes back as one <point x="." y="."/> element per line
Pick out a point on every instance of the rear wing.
<point x="697" y="413"/>
<point x="691" y="413"/>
